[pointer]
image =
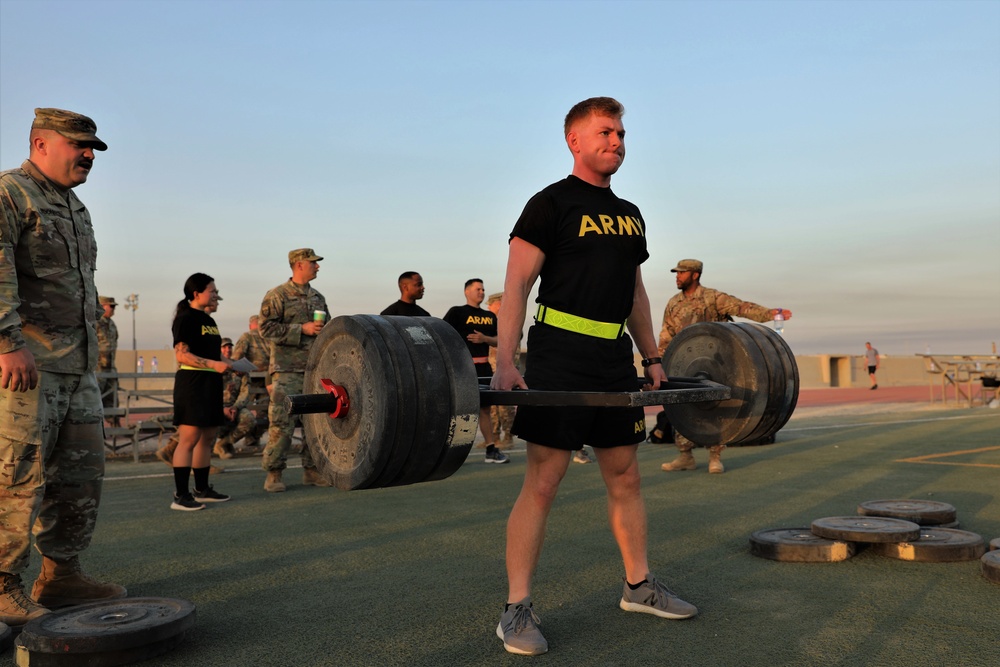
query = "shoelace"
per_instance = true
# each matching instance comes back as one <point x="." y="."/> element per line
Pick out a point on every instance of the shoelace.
<point x="522" y="615"/>
<point x="17" y="596"/>
<point x="657" y="592"/>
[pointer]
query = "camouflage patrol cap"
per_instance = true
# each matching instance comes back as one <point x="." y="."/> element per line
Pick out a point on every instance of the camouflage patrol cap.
<point x="71" y="125"/>
<point x="109" y="300"/>
<point x="687" y="265"/>
<point x="303" y="255"/>
<point x="227" y="341"/>
<point x="494" y="298"/>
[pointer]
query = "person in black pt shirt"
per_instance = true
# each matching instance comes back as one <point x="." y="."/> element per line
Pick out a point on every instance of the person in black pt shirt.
<point x="197" y="391"/>
<point x="411" y="288"/>
<point x="586" y="245"/>
<point x="478" y="328"/>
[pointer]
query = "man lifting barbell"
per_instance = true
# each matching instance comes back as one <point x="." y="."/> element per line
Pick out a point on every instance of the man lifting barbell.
<point x="587" y="246"/>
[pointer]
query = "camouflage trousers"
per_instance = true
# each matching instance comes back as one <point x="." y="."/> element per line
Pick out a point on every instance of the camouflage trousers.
<point x="279" y="434"/>
<point x="244" y="425"/>
<point x="52" y="458"/>
<point x="109" y="392"/>
<point x="502" y="417"/>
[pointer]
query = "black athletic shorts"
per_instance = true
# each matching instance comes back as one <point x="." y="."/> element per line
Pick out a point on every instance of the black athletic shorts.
<point x="561" y="360"/>
<point x="871" y="370"/>
<point x="198" y="398"/>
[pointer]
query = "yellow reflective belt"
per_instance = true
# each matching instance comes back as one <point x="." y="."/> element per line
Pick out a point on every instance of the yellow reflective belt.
<point x="576" y="324"/>
<point x="192" y="368"/>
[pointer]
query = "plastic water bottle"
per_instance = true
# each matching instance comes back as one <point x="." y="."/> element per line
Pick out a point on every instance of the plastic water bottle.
<point x="154" y="367"/>
<point x="779" y="320"/>
<point x="139" y="365"/>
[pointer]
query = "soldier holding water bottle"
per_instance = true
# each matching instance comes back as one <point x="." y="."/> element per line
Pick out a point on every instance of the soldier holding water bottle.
<point x="695" y="303"/>
<point x="291" y="316"/>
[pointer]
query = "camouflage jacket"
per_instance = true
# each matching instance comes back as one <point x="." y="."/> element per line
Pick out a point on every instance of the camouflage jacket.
<point x="705" y="305"/>
<point x="48" y="254"/>
<point x="282" y="313"/>
<point x="252" y="346"/>
<point x="107" y="344"/>
<point x="235" y="390"/>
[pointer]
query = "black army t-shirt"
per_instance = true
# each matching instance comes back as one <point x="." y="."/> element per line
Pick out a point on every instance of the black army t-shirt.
<point x="468" y="319"/>
<point x="200" y="333"/>
<point x="593" y="242"/>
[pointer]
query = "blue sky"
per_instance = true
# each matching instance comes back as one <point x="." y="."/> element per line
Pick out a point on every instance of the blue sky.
<point x="841" y="159"/>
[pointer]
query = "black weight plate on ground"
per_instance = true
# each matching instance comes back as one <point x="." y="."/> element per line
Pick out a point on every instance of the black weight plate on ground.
<point x="432" y="400"/>
<point x="723" y="353"/>
<point x="791" y="375"/>
<point x="799" y="545"/>
<point x="869" y="529"/>
<point x="463" y="419"/>
<point x="775" y="384"/>
<point x="991" y="565"/>
<point x="352" y="452"/>
<point x="922" y="512"/>
<point x="114" y="625"/>
<point x="935" y="545"/>
<point x="406" y="408"/>
<point x="129" y="656"/>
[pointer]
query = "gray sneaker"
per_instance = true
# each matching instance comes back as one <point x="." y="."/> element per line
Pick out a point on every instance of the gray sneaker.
<point x="518" y="628"/>
<point x="655" y="598"/>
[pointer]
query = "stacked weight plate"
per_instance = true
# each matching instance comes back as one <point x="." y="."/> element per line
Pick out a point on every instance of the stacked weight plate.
<point x="414" y="401"/>
<point x="757" y="365"/>
<point x="913" y="530"/>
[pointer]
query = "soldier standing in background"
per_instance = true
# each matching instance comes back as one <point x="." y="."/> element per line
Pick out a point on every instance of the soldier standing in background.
<point x="478" y="328"/>
<point x="107" y="346"/>
<point x="289" y="321"/>
<point x="51" y="431"/>
<point x="695" y="303"/>
<point x="502" y="415"/>
<point x="411" y="288"/>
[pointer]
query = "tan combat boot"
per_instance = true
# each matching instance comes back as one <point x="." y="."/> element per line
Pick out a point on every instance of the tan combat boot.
<point x="684" y="461"/>
<point x="224" y="449"/>
<point x="64" y="584"/>
<point x="311" y="477"/>
<point x="166" y="452"/>
<point x="16" y="608"/>
<point x="273" y="483"/>
<point x="715" y="459"/>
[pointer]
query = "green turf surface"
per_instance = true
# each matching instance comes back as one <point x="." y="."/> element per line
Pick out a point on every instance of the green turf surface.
<point x="415" y="575"/>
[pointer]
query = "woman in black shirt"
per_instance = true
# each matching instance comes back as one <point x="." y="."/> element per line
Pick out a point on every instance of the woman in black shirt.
<point x="197" y="391"/>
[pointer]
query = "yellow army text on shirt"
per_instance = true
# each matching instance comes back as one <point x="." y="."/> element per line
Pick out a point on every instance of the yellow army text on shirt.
<point x="282" y="313"/>
<point x="46" y="236"/>
<point x="705" y="305"/>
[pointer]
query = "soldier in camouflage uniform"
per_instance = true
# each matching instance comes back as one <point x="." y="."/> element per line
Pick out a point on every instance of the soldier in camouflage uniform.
<point x="51" y="432"/>
<point x="501" y="415"/>
<point x="288" y="322"/>
<point x="240" y="422"/>
<point x="695" y="303"/>
<point x="252" y="346"/>
<point x="107" y="346"/>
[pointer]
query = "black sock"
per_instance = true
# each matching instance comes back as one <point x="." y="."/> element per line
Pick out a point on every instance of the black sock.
<point x="636" y="586"/>
<point x="201" y="478"/>
<point x="181" y="475"/>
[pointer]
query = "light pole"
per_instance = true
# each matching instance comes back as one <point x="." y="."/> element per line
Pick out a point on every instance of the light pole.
<point x="132" y="303"/>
